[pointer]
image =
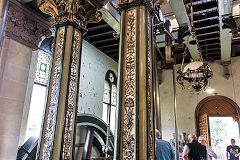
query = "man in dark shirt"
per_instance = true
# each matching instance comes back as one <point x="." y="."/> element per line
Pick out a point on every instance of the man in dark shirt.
<point x="233" y="151"/>
<point x="194" y="150"/>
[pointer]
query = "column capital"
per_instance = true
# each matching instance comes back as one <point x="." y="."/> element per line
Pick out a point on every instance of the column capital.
<point x="79" y="12"/>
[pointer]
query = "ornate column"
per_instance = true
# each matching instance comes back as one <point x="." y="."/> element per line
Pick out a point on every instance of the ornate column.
<point x="136" y="133"/>
<point x="70" y="18"/>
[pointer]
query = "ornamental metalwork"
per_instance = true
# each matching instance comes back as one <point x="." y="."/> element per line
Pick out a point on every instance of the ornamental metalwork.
<point x="54" y="94"/>
<point x="129" y="84"/>
<point x="72" y="95"/>
<point x="79" y="12"/>
<point x="148" y="89"/>
<point x="194" y="76"/>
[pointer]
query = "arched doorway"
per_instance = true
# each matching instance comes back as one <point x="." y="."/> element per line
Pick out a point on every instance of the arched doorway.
<point x="216" y="113"/>
<point x="216" y="106"/>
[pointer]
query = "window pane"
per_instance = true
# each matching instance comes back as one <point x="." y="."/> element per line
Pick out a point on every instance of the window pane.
<point x="104" y="115"/>
<point x="36" y="111"/>
<point x="114" y="95"/>
<point x="43" y="68"/>
<point x="113" y="118"/>
<point x="106" y="96"/>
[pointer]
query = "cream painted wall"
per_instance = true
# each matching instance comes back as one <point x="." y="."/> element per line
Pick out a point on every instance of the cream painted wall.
<point x="187" y="101"/>
<point x="14" y="68"/>
<point x="94" y="66"/>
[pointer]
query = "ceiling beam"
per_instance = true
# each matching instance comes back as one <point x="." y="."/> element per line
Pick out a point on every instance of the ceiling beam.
<point x="100" y="34"/>
<point x="109" y="45"/>
<point x="211" y="49"/>
<point x="180" y="12"/>
<point x="97" y="27"/>
<point x="210" y="44"/>
<point x="208" y="33"/>
<point x="206" y="27"/>
<point x="111" y="17"/>
<point x="196" y="3"/>
<point x="110" y="51"/>
<point x="206" y="19"/>
<point x="225" y="8"/>
<point x="205" y="11"/>
<point x="104" y="40"/>
<point x="208" y="39"/>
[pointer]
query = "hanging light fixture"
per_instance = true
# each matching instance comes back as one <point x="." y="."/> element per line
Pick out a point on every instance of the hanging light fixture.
<point x="210" y="90"/>
<point x="194" y="75"/>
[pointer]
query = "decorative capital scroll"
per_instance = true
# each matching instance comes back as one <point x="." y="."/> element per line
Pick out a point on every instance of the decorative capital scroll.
<point x="80" y="12"/>
<point x="25" y="26"/>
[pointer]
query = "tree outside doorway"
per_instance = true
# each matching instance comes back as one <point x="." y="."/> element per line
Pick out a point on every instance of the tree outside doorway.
<point x="222" y="130"/>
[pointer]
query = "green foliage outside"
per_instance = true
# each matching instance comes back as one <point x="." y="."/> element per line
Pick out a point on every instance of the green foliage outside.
<point x="222" y="129"/>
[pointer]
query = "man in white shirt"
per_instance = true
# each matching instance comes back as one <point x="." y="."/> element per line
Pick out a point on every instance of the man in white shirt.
<point x="211" y="153"/>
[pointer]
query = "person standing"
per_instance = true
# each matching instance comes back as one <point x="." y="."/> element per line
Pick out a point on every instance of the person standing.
<point x="164" y="150"/>
<point x="233" y="151"/>
<point x="211" y="153"/>
<point x="194" y="150"/>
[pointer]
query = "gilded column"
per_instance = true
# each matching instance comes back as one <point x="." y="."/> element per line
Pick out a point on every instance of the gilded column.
<point x="70" y="19"/>
<point x="136" y="138"/>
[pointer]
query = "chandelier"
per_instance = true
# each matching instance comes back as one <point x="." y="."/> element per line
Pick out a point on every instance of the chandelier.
<point x="194" y="75"/>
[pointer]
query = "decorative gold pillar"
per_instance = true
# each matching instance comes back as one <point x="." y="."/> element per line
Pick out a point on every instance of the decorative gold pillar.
<point x="70" y="18"/>
<point x="136" y="138"/>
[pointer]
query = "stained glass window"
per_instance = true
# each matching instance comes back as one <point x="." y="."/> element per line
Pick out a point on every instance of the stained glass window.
<point x="43" y="68"/>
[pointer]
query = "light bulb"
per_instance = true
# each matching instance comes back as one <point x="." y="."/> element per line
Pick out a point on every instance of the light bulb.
<point x="210" y="90"/>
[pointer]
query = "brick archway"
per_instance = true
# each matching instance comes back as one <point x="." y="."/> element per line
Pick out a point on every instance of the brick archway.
<point x="217" y="106"/>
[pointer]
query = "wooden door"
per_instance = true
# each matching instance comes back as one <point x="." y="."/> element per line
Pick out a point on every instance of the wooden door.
<point x="204" y="128"/>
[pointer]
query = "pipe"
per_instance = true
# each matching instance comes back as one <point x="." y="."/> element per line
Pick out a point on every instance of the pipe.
<point x="156" y="93"/>
<point x="175" y="116"/>
<point x="88" y="145"/>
